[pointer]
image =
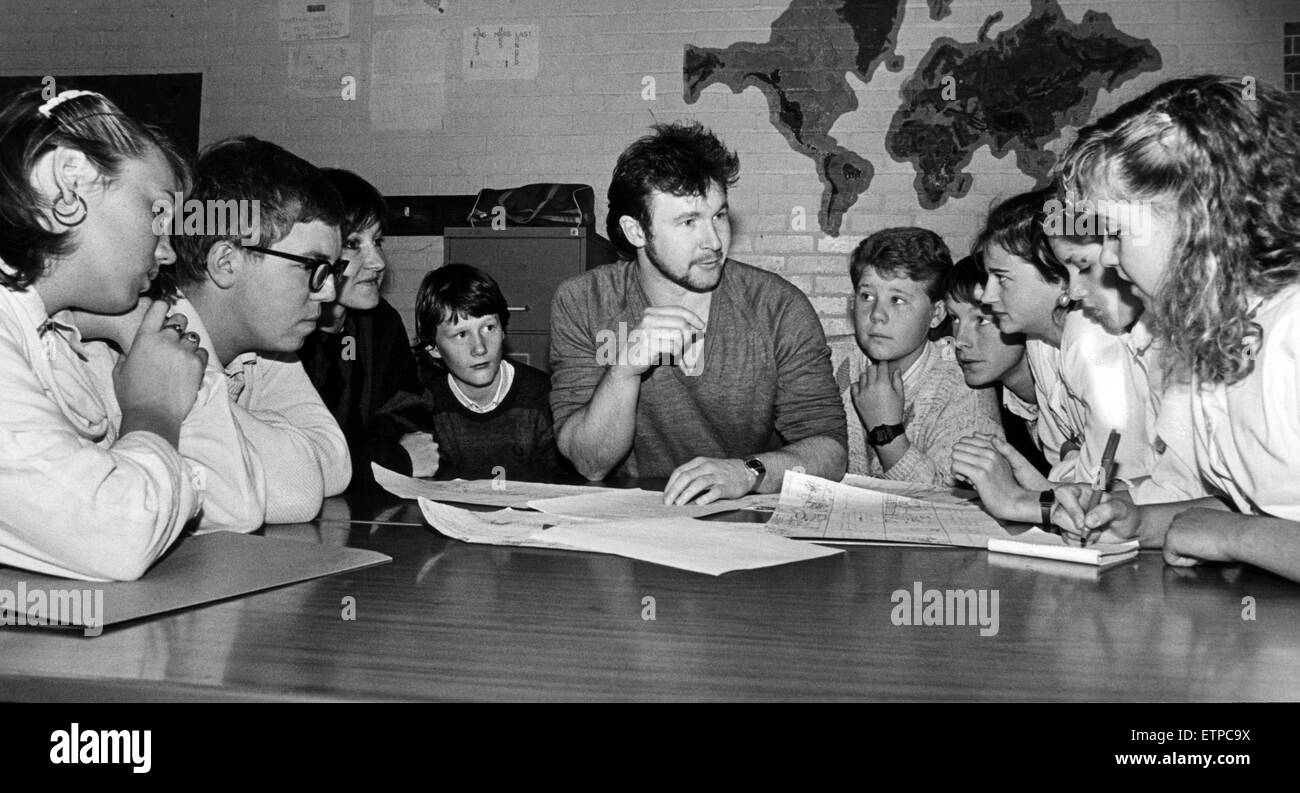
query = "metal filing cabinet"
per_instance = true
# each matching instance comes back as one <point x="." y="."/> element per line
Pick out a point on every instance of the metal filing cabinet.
<point x="529" y="264"/>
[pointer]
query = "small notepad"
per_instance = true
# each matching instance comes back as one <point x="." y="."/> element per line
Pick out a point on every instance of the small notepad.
<point x="1039" y="543"/>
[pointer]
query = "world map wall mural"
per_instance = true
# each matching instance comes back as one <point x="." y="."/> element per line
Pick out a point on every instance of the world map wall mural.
<point x="1013" y="93"/>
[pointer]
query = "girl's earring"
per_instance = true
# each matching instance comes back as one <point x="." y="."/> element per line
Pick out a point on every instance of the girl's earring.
<point x="1063" y="299"/>
<point x="69" y="213"/>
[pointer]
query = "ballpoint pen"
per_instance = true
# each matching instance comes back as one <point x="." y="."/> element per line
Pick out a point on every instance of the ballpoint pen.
<point x="1101" y="483"/>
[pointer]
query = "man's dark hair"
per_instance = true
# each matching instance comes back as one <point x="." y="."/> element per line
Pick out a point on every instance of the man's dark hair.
<point x="456" y="291"/>
<point x="363" y="205"/>
<point x="681" y="159"/>
<point x="288" y="189"/>
<point x="906" y="251"/>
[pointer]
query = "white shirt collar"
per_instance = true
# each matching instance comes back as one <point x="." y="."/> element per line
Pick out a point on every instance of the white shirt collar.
<point x="505" y="378"/>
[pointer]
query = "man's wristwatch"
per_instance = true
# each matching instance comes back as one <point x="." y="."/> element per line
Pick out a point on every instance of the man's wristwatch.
<point x="1046" y="501"/>
<point x="759" y="470"/>
<point x="884" y="434"/>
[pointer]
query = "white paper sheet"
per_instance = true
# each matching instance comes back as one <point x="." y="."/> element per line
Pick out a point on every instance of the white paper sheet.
<point x="408" y="56"/>
<point x="503" y="527"/>
<point x="1039" y="543"/>
<point x="316" y="70"/>
<point x="944" y="495"/>
<point x="318" y="19"/>
<point x="485" y="492"/>
<point x="610" y="504"/>
<point x="696" y="545"/>
<point x="683" y="543"/>
<point x="390" y="8"/>
<point x="1004" y="562"/>
<point x="819" y="509"/>
<point x="408" y="76"/>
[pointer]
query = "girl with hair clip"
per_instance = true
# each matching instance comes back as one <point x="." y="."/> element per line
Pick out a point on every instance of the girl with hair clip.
<point x="360" y="357"/>
<point x="85" y="496"/>
<point x="1081" y="360"/>
<point x="1220" y="273"/>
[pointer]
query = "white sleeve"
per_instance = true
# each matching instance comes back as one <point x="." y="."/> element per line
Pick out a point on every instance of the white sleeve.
<point x="1105" y="390"/>
<point x="71" y="507"/>
<point x="1045" y="365"/>
<point x="211" y="441"/>
<point x="229" y="469"/>
<point x="302" y="449"/>
<point x="1175" y="476"/>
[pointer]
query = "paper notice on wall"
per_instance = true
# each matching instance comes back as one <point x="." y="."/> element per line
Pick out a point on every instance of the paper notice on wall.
<point x="408" y="56"/>
<point x="408" y="76"/>
<point x="392" y="8"/>
<point x="315" y="19"/>
<point x="316" y="70"/>
<point x="407" y="107"/>
<point x="500" y="52"/>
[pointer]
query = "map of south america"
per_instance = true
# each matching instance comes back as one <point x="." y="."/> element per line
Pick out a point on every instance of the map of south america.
<point x="1014" y="93"/>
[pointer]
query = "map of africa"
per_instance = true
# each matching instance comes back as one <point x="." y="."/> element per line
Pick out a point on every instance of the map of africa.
<point x="1012" y="93"/>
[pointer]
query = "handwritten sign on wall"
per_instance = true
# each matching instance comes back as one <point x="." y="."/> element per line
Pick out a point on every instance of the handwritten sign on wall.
<point x="315" y="19"/>
<point x="316" y="69"/>
<point x="503" y="51"/>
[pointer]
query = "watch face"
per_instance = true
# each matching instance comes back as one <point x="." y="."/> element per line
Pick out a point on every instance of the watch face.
<point x="883" y="434"/>
<point x="756" y="466"/>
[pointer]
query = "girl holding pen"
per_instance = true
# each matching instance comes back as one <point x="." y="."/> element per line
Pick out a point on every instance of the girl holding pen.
<point x="1220" y="275"/>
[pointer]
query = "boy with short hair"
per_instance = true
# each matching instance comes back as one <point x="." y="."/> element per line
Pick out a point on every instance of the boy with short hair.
<point x="268" y="449"/>
<point x="910" y="403"/>
<point x="254" y="301"/>
<point x="989" y="357"/>
<point x="480" y="416"/>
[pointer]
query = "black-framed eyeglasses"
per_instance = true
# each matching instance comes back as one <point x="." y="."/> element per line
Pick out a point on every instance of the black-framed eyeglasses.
<point x="321" y="269"/>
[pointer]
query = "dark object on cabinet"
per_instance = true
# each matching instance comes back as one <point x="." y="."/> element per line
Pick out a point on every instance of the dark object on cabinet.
<point x="529" y="264"/>
<point x="534" y="205"/>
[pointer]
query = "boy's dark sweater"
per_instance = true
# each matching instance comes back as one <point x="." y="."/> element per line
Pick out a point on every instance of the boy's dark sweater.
<point x="516" y="435"/>
<point x="355" y="386"/>
<point x="1019" y="435"/>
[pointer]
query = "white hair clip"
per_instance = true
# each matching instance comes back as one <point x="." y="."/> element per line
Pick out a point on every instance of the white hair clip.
<point x="63" y="96"/>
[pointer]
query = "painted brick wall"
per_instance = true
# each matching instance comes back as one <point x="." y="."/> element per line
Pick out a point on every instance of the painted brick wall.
<point x="586" y="103"/>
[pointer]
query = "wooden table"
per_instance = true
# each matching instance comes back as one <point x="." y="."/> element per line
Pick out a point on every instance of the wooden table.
<point x="451" y="621"/>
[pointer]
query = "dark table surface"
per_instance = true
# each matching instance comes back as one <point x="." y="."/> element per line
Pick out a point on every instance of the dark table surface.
<point x="452" y="621"/>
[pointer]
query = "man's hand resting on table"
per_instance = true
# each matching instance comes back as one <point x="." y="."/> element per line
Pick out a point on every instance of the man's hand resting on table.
<point x="708" y="478"/>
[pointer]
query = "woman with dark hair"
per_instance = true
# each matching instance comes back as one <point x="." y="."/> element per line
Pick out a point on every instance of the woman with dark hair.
<point x="87" y="494"/>
<point x="1219" y="271"/>
<point x="359" y="356"/>
<point x="1026" y="291"/>
<point x="1081" y="377"/>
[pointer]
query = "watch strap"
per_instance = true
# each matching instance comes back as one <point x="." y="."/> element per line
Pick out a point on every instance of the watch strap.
<point x="760" y="471"/>
<point x="1046" y="501"/>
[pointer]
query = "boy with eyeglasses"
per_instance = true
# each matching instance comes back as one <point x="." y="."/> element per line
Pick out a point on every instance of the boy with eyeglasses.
<point x="252" y="301"/>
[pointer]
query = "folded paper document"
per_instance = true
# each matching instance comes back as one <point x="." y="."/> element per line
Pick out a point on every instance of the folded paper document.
<point x="687" y="544"/>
